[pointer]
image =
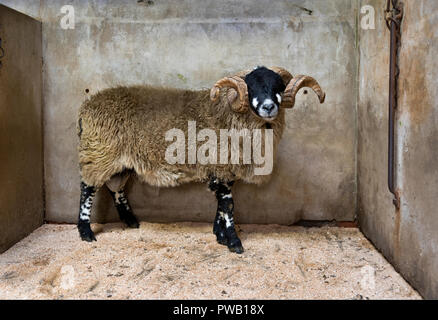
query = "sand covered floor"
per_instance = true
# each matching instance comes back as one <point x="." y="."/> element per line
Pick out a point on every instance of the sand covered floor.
<point x="183" y="261"/>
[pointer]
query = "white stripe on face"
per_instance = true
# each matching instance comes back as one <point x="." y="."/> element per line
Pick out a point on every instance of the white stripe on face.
<point x="278" y="97"/>
<point x="255" y="102"/>
<point x="268" y="101"/>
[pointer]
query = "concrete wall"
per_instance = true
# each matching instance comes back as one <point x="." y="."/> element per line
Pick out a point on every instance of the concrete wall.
<point x="408" y="237"/>
<point x="21" y="146"/>
<point x="191" y="44"/>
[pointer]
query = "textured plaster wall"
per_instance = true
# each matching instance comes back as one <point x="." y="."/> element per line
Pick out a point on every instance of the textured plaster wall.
<point x="408" y="237"/>
<point x="21" y="161"/>
<point x="191" y="44"/>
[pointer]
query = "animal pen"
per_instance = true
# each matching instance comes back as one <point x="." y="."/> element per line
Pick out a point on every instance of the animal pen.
<point x="348" y="211"/>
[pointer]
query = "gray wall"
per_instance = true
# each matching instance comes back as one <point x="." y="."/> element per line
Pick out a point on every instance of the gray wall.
<point x="191" y="44"/>
<point x="21" y="146"/>
<point x="408" y="237"/>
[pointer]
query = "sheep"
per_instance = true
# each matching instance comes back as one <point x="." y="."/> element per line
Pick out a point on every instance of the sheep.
<point x="122" y="132"/>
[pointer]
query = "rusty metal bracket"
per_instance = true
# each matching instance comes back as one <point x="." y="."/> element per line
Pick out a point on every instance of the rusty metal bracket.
<point x="395" y="14"/>
<point x="393" y="18"/>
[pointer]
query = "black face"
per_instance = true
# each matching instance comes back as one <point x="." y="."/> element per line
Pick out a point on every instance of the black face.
<point x="264" y="92"/>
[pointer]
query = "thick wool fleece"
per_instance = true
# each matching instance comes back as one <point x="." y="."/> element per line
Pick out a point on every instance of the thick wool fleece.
<point x="124" y="128"/>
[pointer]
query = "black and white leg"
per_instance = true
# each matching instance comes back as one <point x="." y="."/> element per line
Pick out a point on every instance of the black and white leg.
<point x="224" y="227"/>
<point x="116" y="187"/>
<point x="124" y="209"/>
<point x="86" y="202"/>
<point x="219" y="229"/>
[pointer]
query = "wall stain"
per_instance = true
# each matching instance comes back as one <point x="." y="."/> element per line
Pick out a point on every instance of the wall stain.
<point x="146" y="2"/>
<point x="396" y="233"/>
<point x="414" y="95"/>
<point x="296" y="24"/>
<point x="308" y="11"/>
<point x="181" y="77"/>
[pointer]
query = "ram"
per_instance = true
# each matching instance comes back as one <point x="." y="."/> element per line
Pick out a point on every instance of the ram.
<point x="122" y="131"/>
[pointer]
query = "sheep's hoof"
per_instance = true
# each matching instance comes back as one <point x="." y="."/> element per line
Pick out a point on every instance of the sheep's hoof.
<point x="236" y="249"/>
<point x="89" y="237"/>
<point x="133" y="225"/>
<point x="85" y="232"/>
<point x="236" y="246"/>
<point x="131" y="221"/>
<point x="221" y="239"/>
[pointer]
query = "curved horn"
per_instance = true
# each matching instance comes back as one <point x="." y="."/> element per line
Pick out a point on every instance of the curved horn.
<point x="296" y="84"/>
<point x="239" y="85"/>
<point x="283" y="73"/>
<point x="242" y="74"/>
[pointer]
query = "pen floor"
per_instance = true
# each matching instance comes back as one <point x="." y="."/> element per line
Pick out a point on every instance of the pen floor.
<point x="184" y="261"/>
